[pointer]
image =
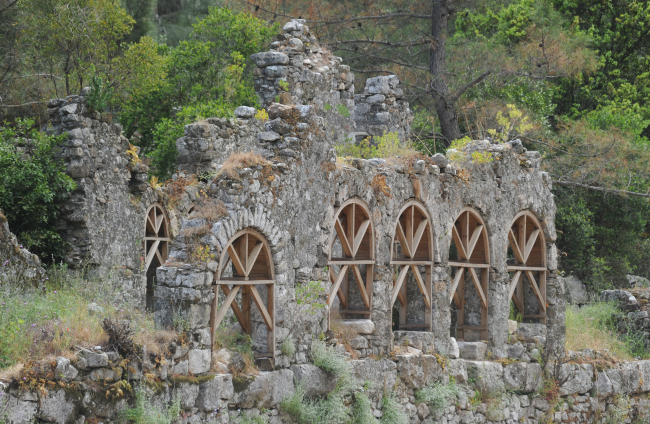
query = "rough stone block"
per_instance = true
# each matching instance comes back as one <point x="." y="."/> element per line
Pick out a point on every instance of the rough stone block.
<point x="64" y="370"/>
<point x="212" y="392"/>
<point x="245" y="112"/>
<point x="361" y="326"/>
<point x="264" y="59"/>
<point x="266" y="390"/>
<point x="487" y="375"/>
<point x="514" y="376"/>
<point x="55" y="407"/>
<point x="472" y="350"/>
<point x="314" y="380"/>
<point x="95" y="360"/>
<point x="187" y="393"/>
<point x="199" y="360"/>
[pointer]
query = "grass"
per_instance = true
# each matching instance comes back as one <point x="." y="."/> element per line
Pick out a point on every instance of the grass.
<point x="587" y="328"/>
<point x="145" y="412"/>
<point x="438" y="396"/>
<point x="392" y="411"/>
<point x="386" y="146"/>
<point x="227" y="338"/>
<point x="362" y="410"/>
<point x="329" y="360"/>
<point x="330" y="409"/>
<point x="241" y="160"/>
<point x="54" y="319"/>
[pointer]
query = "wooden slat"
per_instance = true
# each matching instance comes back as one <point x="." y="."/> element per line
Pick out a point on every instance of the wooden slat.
<point x="515" y="247"/>
<point x="421" y="285"/>
<point x="159" y="221"/>
<point x="402" y="240"/>
<point x="408" y="262"/>
<point x="477" y="284"/>
<point x="253" y="257"/>
<point x="459" y="243"/>
<point x="454" y="284"/>
<point x="150" y="255"/>
<point x="359" y="237"/>
<point x="468" y="264"/>
<point x="347" y="250"/>
<point x="533" y="283"/>
<point x="157" y="238"/>
<point x="234" y="257"/>
<point x="339" y="292"/>
<point x="362" y="287"/>
<point x="337" y="283"/>
<point x="525" y="268"/>
<point x="471" y="327"/>
<point x="397" y="286"/>
<point x="472" y="242"/>
<point x="350" y="261"/>
<point x="418" y="235"/>
<point x="349" y="311"/>
<point x="262" y="307"/>
<point x="530" y="244"/>
<point x="238" y="312"/>
<point x="160" y="259"/>
<point x="242" y="281"/>
<point x="513" y="284"/>
<point x="230" y="297"/>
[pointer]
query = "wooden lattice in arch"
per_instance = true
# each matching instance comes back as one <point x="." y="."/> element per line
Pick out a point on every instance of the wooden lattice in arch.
<point x="156" y="236"/>
<point x="469" y="235"/>
<point x="353" y="234"/>
<point x="528" y="244"/>
<point x="411" y="249"/>
<point x="252" y="266"/>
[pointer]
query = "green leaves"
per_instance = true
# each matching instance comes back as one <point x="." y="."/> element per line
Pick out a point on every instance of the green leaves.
<point x="32" y="183"/>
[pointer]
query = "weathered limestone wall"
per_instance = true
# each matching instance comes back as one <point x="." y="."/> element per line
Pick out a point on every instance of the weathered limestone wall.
<point x="596" y="390"/>
<point x="16" y="263"/>
<point x="296" y="70"/>
<point x="103" y="219"/>
<point x="382" y="108"/>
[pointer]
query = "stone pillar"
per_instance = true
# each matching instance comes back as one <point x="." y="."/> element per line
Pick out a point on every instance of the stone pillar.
<point x="556" y="309"/>
<point x="441" y="313"/>
<point x="382" y="338"/>
<point x="498" y="313"/>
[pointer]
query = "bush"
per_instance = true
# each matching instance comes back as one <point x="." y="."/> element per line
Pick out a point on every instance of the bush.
<point x="362" y="410"/>
<point x="32" y="184"/>
<point x="438" y="396"/>
<point x="591" y="326"/>
<point x="328" y="410"/>
<point x="385" y="146"/>
<point x="145" y="412"/>
<point x="328" y="359"/>
<point x="392" y="411"/>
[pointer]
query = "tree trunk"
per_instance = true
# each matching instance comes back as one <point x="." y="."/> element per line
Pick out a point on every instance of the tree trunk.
<point x="444" y="105"/>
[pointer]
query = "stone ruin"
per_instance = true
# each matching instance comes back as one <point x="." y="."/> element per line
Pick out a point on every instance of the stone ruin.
<point x="418" y="257"/>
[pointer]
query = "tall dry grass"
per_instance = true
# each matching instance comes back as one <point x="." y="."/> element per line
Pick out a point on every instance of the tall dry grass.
<point x="586" y="328"/>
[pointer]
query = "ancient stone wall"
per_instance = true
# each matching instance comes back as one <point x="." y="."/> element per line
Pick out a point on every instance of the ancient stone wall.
<point x="297" y="70"/>
<point x="382" y="108"/>
<point x="595" y="389"/>
<point x="17" y="265"/>
<point x="103" y="218"/>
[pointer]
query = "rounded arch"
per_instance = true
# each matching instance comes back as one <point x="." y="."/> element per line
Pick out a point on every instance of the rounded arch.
<point x="471" y="277"/>
<point x="156" y="246"/>
<point x="527" y="242"/>
<point x="412" y="255"/>
<point x="248" y="259"/>
<point x="351" y="256"/>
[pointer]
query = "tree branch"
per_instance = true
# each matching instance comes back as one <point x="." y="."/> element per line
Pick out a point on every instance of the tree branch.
<point x="605" y="190"/>
<point x="11" y="3"/>
<point x="387" y="43"/>
<point x="24" y="104"/>
<point x="454" y="97"/>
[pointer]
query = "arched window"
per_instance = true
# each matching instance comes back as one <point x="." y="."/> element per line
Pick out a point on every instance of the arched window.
<point x="470" y="258"/>
<point x="352" y="256"/>
<point x="156" y="246"/>
<point x="247" y="257"/>
<point x="411" y="253"/>
<point x="528" y="262"/>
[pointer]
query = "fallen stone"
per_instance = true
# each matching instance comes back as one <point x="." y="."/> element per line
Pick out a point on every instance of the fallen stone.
<point x="472" y="350"/>
<point x="576" y="290"/>
<point x="64" y="370"/>
<point x="95" y="360"/>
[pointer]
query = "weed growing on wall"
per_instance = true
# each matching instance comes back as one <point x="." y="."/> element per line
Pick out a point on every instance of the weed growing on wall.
<point x="392" y="411"/>
<point x="328" y="359"/>
<point x="147" y="412"/>
<point x="438" y="395"/>
<point x="362" y="410"/>
<point x="388" y="145"/>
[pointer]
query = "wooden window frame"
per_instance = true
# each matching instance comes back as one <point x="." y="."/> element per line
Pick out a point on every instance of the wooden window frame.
<point x="410" y="240"/>
<point x="516" y="240"/>
<point x="239" y="252"/>
<point x="466" y="245"/>
<point x="352" y="257"/>
<point x="156" y="235"/>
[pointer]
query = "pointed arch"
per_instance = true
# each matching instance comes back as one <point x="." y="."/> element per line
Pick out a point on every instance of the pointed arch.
<point x="351" y="249"/>
<point x="156" y="235"/>
<point x="252" y="266"/>
<point x="528" y="244"/>
<point x="412" y="249"/>
<point x="470" y="238"/>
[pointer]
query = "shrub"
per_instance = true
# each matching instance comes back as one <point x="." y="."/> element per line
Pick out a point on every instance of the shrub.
<point x="288" y="347"/>
<point x="327" y="410"/>
<point x="146" y="412"/>
<point x="100" y="92"/>
<point x="438" y="396"/>
<point x="328" y="359"/>
<point x="385" y="146"/>
<point x="590" y="327"/>
<point x="392" y="411"/>
<point x="241" y="160"/>
<point x="32" y="184"/>
<point x="362" y="410"/>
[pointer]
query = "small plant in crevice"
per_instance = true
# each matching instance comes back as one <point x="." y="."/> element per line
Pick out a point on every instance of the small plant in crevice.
<point x="297" y="316"/>
<point x="288" y="347"/>
<point x="362" y="410"/>
<point x="438" y="395"/>
<point x="327" y="107"/>
<point x="392" y="410"/>
<point x="342" y="110"/>
<point x="146" y="411"/>
<point x="262" y="115"/>
<point x="250" y="419"/>
<point x="283" y="84"/>
<point x="328" y="359"/>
